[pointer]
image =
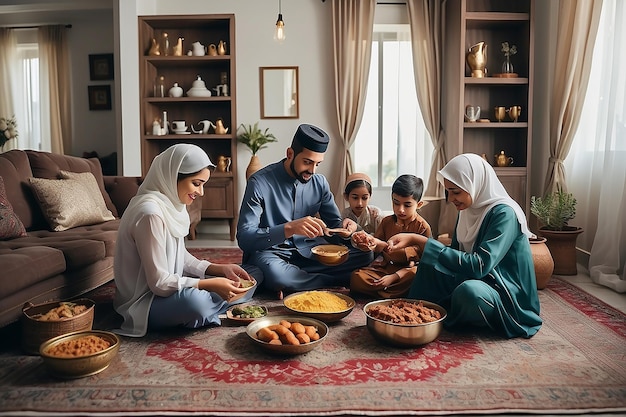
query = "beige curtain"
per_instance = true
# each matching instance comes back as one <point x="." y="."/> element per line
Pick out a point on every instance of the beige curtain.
<point x="55" y="71"/>
<point x="426" y="18"/>
<point x="578" y="25"/>
<point x="8" y="46"/>
<point x="353" y="23"/>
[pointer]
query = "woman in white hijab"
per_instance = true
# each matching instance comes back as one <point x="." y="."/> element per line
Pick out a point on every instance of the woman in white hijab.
<point x="486" y="277"/>
<point x="159" y="283"/>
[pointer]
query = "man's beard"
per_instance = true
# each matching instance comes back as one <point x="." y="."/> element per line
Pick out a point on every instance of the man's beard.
<point x="298" y="176"/>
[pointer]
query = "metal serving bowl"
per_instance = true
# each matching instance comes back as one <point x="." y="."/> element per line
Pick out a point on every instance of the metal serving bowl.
<point x="331" y="255"/>
<point x="258" y="324"/>
<point x="404" y="334"/>
<point x="326" y="317"/>
<point x="80" y="366"/>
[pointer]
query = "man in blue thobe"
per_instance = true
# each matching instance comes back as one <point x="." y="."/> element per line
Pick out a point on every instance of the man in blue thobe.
<point x="285" y="210"/>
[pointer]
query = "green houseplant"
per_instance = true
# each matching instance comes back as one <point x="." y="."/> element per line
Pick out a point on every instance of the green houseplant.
<point x="255" y="139"/>
<point x="554" y="211"/>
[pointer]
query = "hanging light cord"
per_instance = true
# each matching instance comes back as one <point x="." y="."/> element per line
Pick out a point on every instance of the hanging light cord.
<point x="280" y="11"/>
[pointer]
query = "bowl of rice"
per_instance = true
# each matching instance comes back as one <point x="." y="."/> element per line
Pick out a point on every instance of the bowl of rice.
<point x="326" y="306"/>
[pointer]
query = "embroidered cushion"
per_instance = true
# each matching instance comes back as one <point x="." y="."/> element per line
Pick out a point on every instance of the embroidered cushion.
<point x="10" y="225"/>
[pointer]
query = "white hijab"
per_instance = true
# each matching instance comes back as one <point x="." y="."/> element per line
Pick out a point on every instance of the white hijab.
<point x="474" y="175"/>
<point x="161" y="184"/>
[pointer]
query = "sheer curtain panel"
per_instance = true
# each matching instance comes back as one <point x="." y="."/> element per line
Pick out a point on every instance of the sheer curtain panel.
<point x="596" y="172"/>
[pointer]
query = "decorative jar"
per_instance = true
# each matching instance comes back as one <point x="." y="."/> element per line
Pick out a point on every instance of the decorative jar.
<point x="542" y="260"/>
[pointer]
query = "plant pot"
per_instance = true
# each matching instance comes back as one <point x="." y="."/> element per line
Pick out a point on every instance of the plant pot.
<point x="542" y="260"/>
<point x="562" y="245"/>
<point x="253" y="166"/>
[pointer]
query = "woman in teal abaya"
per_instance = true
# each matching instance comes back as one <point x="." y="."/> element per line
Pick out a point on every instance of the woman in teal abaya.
<point x="485" y="278"/>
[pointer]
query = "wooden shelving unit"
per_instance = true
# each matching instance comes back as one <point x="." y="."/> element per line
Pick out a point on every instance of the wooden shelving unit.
<point x="492" y="22"/>
<point x="219" y="200"/>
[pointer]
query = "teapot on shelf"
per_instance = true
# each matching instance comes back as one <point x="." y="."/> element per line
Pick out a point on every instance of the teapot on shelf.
<point x="223" y="163"/>
<point x="199" y="89"/>
<point x="472" y="113"/>
<point x="219" y="128"/>
<point x="206" y="124"/>
<point x="502" y="160"/>
<point x="221" y="48"/>
<point x="198" y="49"/>
<point x="178" y="48"/>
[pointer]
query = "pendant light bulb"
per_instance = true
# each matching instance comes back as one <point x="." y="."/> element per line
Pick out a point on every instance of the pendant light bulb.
<point x="279" y="33"/>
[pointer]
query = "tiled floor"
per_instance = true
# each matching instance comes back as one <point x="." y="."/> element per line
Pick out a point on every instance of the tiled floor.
<point x="581" y="280"/>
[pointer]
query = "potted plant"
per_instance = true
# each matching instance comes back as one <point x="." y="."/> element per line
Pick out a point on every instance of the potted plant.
<point x="554" y="211"/>
<point x="255" y="139"/>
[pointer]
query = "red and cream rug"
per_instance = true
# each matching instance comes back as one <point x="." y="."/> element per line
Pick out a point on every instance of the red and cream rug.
<point x="575" y="364"/>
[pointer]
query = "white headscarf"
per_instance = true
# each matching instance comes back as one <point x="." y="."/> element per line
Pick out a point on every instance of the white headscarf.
<point x="161" y="185"/>
<point x="474" y="175"/>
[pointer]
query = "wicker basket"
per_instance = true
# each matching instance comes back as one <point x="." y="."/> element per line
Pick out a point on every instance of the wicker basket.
<point x="35" y="332"/>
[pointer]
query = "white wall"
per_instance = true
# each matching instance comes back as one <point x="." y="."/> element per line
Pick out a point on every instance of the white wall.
<point x="308" y="45"/>
<point x="91" y="33"/>
<point x="93" y="130"/>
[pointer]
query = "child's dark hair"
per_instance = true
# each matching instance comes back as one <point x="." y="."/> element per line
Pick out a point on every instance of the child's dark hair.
<point x="356" y="184"/>
<point x="408" y="185"/>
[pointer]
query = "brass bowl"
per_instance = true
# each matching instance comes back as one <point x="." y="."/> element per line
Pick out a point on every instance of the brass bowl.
<point x="326" y="317"/>
<point x="404" y="335"/>
<point x="258" y="324"/>
<point x="80" y="366"/>
<point x="331" y="255"/>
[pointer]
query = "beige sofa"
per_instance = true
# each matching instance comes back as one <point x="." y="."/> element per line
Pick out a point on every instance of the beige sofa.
<point x="48" y="265"/>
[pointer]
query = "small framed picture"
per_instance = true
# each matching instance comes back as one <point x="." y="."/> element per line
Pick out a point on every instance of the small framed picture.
<point x="101" y="67"/>
<point x="99" y="97"/>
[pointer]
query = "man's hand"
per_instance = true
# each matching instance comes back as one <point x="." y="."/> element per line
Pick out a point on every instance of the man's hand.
<point x="306" y="226"/>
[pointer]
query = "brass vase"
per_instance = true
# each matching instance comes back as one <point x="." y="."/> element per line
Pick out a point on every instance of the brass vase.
<point x="476" y="58"/>
<point x="253" y="166"/>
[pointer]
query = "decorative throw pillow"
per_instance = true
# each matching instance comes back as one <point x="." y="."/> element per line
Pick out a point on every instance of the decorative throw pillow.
<point x="90" y="182"/>
<point x="70" y="202"/>
<point x="10" y="225"/>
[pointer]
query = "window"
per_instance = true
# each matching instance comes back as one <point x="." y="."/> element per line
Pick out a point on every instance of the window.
<point x="392" y="139"/>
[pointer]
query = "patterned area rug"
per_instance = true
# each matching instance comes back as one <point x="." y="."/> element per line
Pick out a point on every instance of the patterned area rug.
<point x="575" y="364"/>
